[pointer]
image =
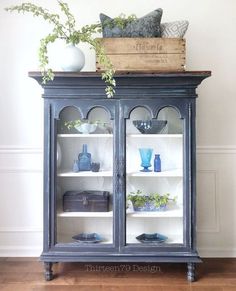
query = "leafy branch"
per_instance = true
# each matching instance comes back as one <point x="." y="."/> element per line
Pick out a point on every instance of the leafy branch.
<point x="108" y="75"/>
<point x="70" y="23"/>
<point x="70" y="34"/>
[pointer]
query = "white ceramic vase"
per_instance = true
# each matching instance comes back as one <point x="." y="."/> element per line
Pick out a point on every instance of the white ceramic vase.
<point x="72" y="59"/>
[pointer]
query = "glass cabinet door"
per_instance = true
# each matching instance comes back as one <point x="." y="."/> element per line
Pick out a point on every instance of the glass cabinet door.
<point x="154" y="178"/>
<point x="84" y="178"/>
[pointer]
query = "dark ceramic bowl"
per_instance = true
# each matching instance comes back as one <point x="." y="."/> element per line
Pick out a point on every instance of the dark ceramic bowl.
<point x="150" y="126"/>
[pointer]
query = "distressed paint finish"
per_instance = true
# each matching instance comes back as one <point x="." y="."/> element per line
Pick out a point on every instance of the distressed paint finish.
<point x="152" y="91"/>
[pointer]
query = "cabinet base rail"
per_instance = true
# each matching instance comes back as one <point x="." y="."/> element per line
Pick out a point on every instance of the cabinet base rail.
<point x="176" y="258"/>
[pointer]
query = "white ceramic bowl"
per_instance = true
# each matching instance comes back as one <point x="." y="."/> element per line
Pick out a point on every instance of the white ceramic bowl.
<point x="86" y="128"/>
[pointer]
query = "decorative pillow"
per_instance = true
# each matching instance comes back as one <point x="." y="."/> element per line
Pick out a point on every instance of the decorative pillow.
<point x="146" y="26"/>
<point x="174" y="29"/>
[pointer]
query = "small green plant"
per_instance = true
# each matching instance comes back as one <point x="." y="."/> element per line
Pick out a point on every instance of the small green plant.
<point x="67" y="30"/>
<point x="138" y="199"/>
<point x="120" y="21"/>
<point x="160" y="200"/>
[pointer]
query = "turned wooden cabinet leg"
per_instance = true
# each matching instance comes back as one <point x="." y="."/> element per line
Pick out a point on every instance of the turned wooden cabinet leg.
<point x="48" y="271"/>
<point x="191" y="272"/>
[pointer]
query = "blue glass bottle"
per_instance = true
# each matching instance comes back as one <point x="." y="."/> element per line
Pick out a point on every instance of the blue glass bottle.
<point x="157" y="163"/>
<point x="84" y="159"/>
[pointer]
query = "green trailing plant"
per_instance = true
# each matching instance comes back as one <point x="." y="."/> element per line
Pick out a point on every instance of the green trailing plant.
<point x="67" y="31"/>
<point x="138" y="199"/>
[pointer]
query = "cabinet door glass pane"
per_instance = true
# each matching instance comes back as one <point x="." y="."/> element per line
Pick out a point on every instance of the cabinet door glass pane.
<point x="84" y="183"/>
<point x="154" y="177"/>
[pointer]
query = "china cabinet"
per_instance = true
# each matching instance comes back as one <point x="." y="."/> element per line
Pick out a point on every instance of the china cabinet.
<point x="120" y="233"/>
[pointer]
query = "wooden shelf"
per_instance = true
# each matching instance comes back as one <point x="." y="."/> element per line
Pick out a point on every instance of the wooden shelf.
<point x="84" y="174"/>
<point x="165" y="174"/>
<point x="150" y="214"/>
<point x="81" y="135"/>
<point x="175" y="213"/>
<point x="85" y="214"/>
<point x="108" y="135"/>
<point x="155" y="135"/>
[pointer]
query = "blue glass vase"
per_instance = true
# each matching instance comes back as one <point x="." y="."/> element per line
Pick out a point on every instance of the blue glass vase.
<point x="146" y="155"/>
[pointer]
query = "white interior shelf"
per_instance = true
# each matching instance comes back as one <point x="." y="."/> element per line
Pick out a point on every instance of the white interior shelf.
<point x="144" y="214"/>
<point x="156" y="135"/>
<point x="138" y="135"/>
<point x="170" y="173"/>
<point x="85" y="214"/>
<point x="149" y="214"/>
<point x="84" y="174"/>
<point x="82" y="135"/>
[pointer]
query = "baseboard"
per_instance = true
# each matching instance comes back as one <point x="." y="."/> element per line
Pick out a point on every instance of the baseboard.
<point x="20" y="251"/>
<point x="217" y="252"/>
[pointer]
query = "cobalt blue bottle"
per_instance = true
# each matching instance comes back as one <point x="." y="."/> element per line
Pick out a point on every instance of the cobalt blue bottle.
<point x="84" y="160"/>
<point x="157" y="163"/>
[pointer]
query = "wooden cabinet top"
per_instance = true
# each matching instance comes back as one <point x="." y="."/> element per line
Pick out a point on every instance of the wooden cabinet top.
<point x="129" y="84"/>
<point x="60" y="74"/>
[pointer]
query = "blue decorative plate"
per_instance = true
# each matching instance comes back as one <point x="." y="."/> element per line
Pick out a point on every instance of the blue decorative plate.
<point x="87" y="238"/>
<point x="152" y="238"/>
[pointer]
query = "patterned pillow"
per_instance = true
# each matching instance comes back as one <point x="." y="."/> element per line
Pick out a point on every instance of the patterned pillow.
<point x="146" y="26"/>
<point x="174" y="29"/>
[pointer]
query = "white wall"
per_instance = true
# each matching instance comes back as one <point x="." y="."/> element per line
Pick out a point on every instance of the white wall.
<point x="211" y="45"/>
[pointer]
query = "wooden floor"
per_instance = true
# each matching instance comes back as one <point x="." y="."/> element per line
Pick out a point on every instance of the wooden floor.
<point x="27" y="274"/>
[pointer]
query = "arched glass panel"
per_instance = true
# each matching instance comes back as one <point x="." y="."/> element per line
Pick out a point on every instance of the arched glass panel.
<point x="84" y="177"/>
<point x="154" y="177"/>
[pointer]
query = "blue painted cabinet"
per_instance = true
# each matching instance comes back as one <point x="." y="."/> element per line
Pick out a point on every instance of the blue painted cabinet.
<point x="151" y="216"/>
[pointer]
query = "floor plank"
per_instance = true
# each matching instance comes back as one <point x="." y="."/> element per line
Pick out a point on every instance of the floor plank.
<point x="19" y="274"/>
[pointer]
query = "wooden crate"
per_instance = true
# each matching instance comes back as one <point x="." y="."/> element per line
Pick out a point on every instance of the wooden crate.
<point x="144" y="54"/>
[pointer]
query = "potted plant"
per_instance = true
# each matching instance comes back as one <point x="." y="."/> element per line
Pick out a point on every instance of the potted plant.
<point x="67" y="31"/>
<point x="151" y="202"/>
